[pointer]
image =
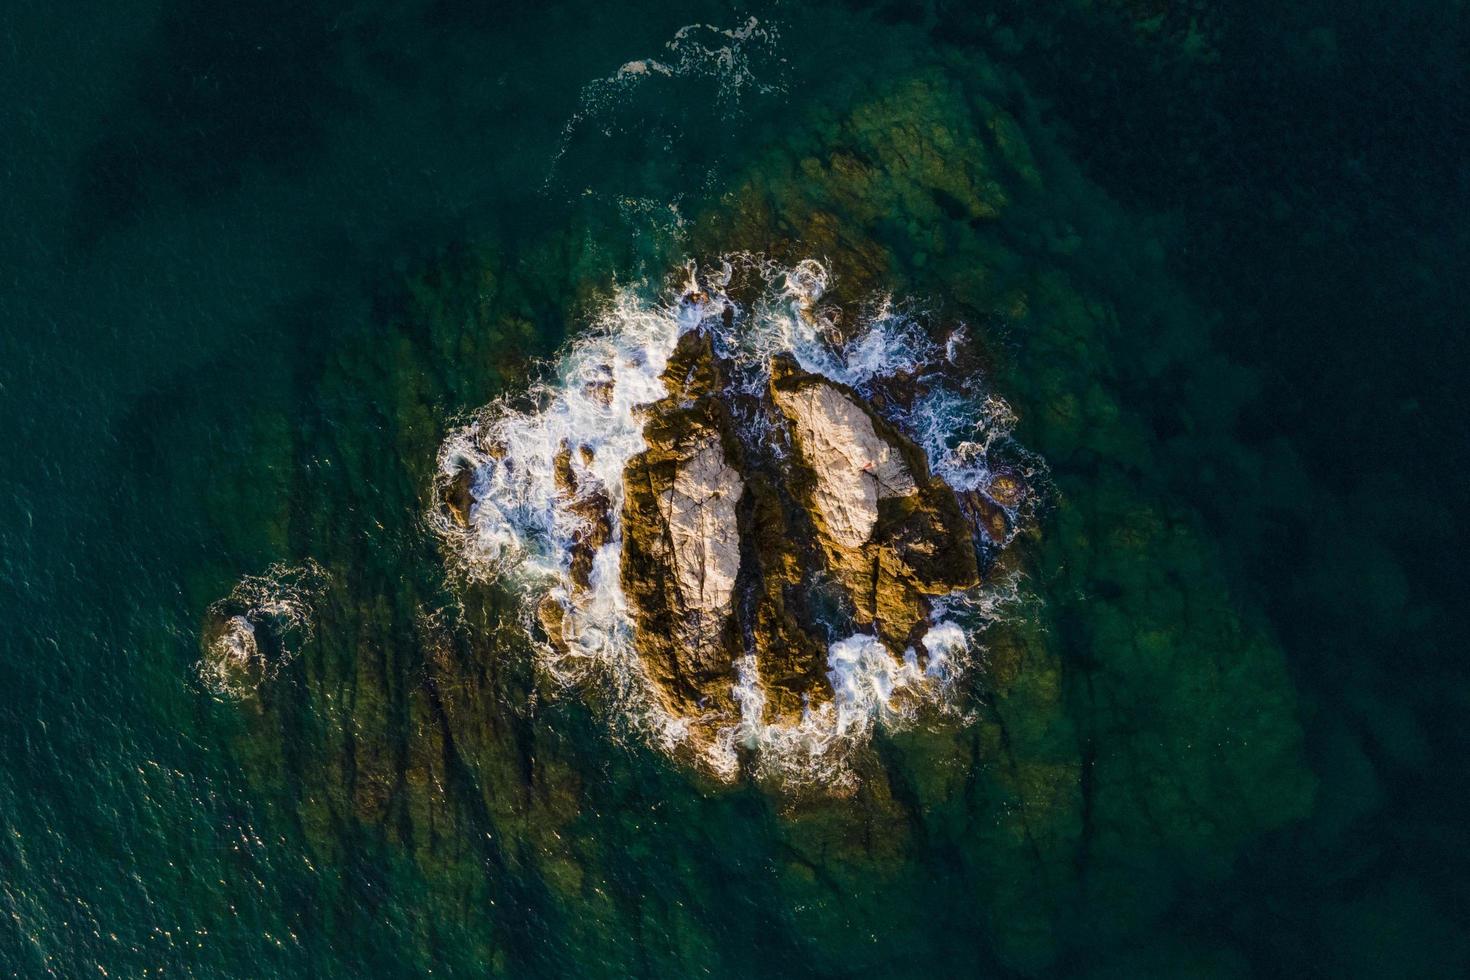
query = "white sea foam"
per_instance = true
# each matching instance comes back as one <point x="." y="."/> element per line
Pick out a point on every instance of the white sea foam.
<point x="258" y="628"/>
<point x="521" y="528"/>
<point x="738" y="60"/>
<point x="944" y="641"/>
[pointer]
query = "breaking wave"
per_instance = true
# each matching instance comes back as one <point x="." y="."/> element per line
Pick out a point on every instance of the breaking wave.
<point x="512" y="523"/>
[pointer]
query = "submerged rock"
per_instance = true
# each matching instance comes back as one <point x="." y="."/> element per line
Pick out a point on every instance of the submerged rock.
<point x="249" y="635"/>
<point x="233" y="661"/>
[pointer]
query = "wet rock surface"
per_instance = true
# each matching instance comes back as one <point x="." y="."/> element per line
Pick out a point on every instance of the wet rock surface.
<point x="890" y="532"/>
<point x="816" y="518"/>
<point x="681" y="544"/>
<point x="589" y="501"/>
<point x="852" y="467"/>
<point x="249" y="635"/>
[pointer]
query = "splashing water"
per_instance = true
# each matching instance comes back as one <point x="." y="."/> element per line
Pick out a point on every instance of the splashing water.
<point x="258" y="628"/>
<point x="520" y="527"/>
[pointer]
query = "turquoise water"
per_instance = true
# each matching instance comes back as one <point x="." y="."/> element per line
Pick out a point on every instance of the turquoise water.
<point x="259" y="259"/>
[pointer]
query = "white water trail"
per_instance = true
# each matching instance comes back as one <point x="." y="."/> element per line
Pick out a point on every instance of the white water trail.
<point x="738" y="60"/>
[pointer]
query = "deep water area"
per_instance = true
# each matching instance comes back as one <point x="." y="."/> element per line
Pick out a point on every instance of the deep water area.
<point x="260" y="263"/>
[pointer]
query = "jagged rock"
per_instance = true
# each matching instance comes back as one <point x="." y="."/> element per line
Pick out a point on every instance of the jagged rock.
<point x="457" y="497"/>
<point x="589" y="501"/>
<point x="601" y="387"/>
<point x="729" y="552"/>
<point x="892" y="534"/>
<point x="699" y="512"/>
<point x="1006" y="489"/>
<point x="986" y="517"/>
<point x="681" y="544"/>
<point x="853" y="467"/>
<point x="780" y="615"/>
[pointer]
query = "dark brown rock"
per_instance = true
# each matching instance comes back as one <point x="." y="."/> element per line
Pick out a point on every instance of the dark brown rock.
<point x="728" y="553"/>
<point x="456" y="496"/>
<point x="681" y="547"/>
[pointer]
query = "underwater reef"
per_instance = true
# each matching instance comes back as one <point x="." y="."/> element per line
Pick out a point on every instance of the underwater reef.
<point x="826" y="488"/>
<point x="757" y="515"/>
<point x="1128" y="726"/>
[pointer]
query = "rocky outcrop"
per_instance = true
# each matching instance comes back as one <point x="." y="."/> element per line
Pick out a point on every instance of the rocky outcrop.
<point x="588" y="500"/>
<point x="825" y="521"/>
<point x="698" y="511"/>
<point x="853" y="467"/>
<point x="255" y="630"/>
<point x="457" y="496"/>
<point x="232" y="661"/>
<point x="681" y="540"/>
<point x="891" y="534"/>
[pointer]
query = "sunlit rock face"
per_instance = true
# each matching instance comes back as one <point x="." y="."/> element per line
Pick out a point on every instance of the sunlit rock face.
<point x="681" y="538"/>
<point x="698" y="512"/>
<point x="852" y="467"/>
<point x="844" y="518"/>
<point x="889" y="532"/>
<point x="764" y="533"/>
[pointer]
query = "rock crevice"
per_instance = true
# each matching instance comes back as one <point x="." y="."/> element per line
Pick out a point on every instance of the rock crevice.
<point x="764" y="543"/>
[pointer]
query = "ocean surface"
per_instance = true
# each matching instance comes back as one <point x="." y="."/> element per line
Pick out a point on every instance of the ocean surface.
<point x="259" y="263"/>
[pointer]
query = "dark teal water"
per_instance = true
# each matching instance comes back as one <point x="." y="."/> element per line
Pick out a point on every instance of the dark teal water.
<point x="257" y="258"/>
